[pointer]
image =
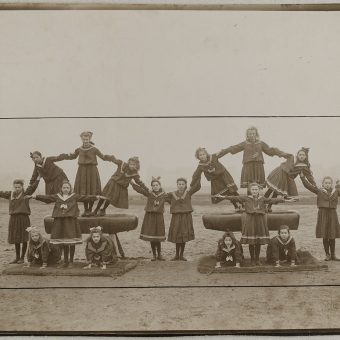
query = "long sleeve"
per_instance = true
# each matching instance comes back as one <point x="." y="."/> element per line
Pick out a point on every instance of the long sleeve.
<point x="238" y="253"/>
<point x="275" y="250"/>
<point x="100" y="155"/>
<point x="32" y="188"/>
<point x="292" y="249"/>
<point x="273" y="200"/>
<point x="73" y="155"/>
<point x="272" y="151"/>
<point x="88" y="253"/>
<point x="239" y="199"/>
<point x="196" y="187"/>
<point x="309" y="186"/>
<point x="196" y="177"/>
<point x="5" y="194"/>
<point x="232" y="149"/>
<point x="86" y="198"/>
<point x="113" y="159"/>
<point x="309" y="177"/>
<point x="46" y="198"/>
<point x="168" y="197"/>
<point x="30" y="254"/>
<point x="140" y="183"/>
<point x="61" y="157"/>
<point x="45" y="251"/>
<point x="140" y="190"/>
<point x="34" y="177"/>
<point x="218" y="254"/>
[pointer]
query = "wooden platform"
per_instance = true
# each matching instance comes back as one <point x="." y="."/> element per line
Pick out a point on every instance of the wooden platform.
<point x="233" y="221"/>
<point x="111" y="224"/>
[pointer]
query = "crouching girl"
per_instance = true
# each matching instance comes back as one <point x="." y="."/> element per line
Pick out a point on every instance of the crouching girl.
<point x="282" y="248"/>
<point x="99" y="249"/>
<point x="229" y="251"/>
<point x="40" y="251"/>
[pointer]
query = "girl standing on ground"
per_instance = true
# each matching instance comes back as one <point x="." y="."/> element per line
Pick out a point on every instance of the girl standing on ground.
<point x="19" y="212"/>
<point x="327" y="225"/>
<point x="65" y="229"/>
<point x="181" y="226"/>
<point x="254" y="220"/>
<point x="153" y="228"/>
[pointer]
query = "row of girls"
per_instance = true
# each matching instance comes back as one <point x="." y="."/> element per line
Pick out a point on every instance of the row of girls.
<point x="87" y="189"/>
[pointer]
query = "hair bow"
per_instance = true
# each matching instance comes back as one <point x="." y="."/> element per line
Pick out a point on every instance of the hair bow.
<point x="32" y="229"/>
<point x="97" y="229"/>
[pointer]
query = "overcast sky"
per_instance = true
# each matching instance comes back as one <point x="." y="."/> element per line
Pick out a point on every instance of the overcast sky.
<point x="165" y="146"/>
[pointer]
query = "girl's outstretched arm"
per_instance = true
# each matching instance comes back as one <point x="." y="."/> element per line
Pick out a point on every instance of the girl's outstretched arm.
<point x="140" y="190"/>
<point x="113" y="159"/>
<point x="196" y="187"/>
<point x="196" y="177"/>
<point x="72" y="155"/>
<point x="232" y="149"/>
<point x="61" y="157"/>
<point x="5" y="194"/>
<point x="32" y="188"/>
<point x="239" y="199"/>
<point x="46" y="198"/>
<point x="273" y="151"/>
<point x="308" y="185"/>
<point x="140" y="183"/>
<point x="88" y="198"/>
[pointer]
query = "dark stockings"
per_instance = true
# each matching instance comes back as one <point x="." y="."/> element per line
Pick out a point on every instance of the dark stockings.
<point x="23" y="250"/>
<point x="86" y="206"/>
<point x="254" y="250"/>
<point x="100" y="203"/>
<point x="72" y="250"/>
<point x="156" y="249"/>
<point x="234" y="203"/>
<point x="90" y="205"/>
<point x="326" y="245"/>
<point x="66" y="252"/>
<point x="267" y="195"/>
<point x="181" y="253"/>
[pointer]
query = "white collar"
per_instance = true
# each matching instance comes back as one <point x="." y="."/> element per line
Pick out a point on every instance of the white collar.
<point x="42" y="164"/>
<point x="258" y="197"/>
<point x="65" y="199"/>
<point x="177" y="197"/>
<point x="157" y="195"/>
<point x="15" y="197"/>
<point x="284" y="243"/>
<point x="301" y="164"/>
<point x="226" y="249"/>
<point x="86" y="149"/>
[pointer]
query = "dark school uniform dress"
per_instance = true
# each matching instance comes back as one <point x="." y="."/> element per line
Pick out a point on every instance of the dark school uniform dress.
<point x="52" y="174"/>
<point x="228" y="256"/>
<point x="116" y="189"/>
<point x="87" y="178"/>
<point x="279" y="250"/>
<point x="281" y="180"/>
<point x="221" y="180"/>
<point x="101" y="252"/>
<point x="65" y="228"/>
<point x="19" y="211"/>
<point x="153" y="227"/>
<point x="327" y="225"/>
<point x="253" y="168"/>
<point x="42" y="252"/>
<point x="181" y="225"/>
<point x="254" y="220"/>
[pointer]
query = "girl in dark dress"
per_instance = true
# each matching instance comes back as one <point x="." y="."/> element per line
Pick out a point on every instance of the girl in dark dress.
<point x="87" y="179"/>
<point x="253" y="149"/>
<point x="229" y="251"/>
<point x="327" y="225"/>
<point x="45" y="168"/>
<point x="221" y="180"/>
<point x="282" y="248"/>
<point x="254" y="220"/>
<point x="40" y="251"/>
<point x="99" y="249"/>
<point x="65" y="230"/>
<point x="19" y="221"/>
<point x="281" y="181"/>
<point x="153" y="228"/>
<point x="181" y="225"/>
<point x="116" y="189"/>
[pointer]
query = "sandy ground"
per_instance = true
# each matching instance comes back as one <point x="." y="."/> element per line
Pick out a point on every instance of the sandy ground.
<point x="168" y="295"/>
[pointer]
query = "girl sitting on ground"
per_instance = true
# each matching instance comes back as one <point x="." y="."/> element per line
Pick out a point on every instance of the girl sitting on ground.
<point x="40" y="252"/>
<point x="229" y="251"/>
<point x="99" y="249"/>
<point x="281" y="248"/>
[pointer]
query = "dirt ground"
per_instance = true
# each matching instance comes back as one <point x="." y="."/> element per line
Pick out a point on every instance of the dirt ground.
<point x="171" y="296"/>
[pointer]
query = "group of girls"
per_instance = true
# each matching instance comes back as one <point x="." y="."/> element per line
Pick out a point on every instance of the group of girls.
<point x="87" y="189"/>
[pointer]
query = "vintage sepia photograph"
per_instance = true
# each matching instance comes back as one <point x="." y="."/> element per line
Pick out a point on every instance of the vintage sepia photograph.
<point x="169" y="172"/>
